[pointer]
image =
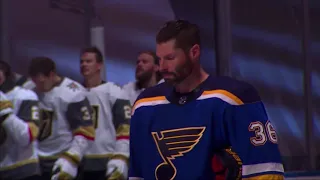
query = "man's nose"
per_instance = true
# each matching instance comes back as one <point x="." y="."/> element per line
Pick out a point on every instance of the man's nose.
<point x="162" y="66"/>
<point x="140" y="64"/>
<point x="82" y="64"/>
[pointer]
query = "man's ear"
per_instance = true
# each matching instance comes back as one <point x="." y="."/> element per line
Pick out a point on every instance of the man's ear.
<point x="51" y="74"/>
<point x="194" y="52"/>
<point x="99" y="65"/>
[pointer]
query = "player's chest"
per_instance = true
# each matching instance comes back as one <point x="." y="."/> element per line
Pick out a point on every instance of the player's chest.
<point x="176" y="117"/>
<point x="178" y="135"/>
<point x="48" y="106"/>
<point x="48" y="101"/>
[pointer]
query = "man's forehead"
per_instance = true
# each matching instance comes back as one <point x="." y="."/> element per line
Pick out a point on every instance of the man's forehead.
<point x="38" y="76"/>
<point x="166" y="48"/>
<point x="161" y="52"/>
<point x="166" y="52"/>
<point x="88" y="55"/>
<point x="143" y="56"/>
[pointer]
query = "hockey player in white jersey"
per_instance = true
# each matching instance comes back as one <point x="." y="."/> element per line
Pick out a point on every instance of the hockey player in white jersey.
<point x="66" y="127"/>
<point x="108" y="157"/>
<point x="147" y="75"/>
<point x="19" y="117"/>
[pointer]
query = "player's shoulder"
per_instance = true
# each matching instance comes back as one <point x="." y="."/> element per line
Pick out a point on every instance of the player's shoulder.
<point x="25" y="94"/>
<point x="110" y="86"/>
<point x="129" y="85"/>
<point x="157" y="92"/>
<point x="70" y="85"/>
<point x="235" y="89"/>
<point x="70" y="89"/>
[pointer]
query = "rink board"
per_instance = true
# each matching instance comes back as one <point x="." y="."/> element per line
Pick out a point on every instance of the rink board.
<point x="303" y="176"/>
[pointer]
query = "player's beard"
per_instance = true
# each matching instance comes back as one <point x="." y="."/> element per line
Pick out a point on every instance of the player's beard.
<point x="181" y="73"/>
<point x="144" y="77"/>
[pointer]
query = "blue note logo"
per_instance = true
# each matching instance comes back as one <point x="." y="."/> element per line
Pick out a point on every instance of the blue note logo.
<point x="172" y="144"/>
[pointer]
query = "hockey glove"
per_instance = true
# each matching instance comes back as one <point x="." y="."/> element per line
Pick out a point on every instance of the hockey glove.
<point x="231" y="161"/>
<point x="117" y="169"/>
<point x="64" y="169"/>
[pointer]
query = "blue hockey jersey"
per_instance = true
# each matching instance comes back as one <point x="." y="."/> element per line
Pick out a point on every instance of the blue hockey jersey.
<point x="174" y="136"/>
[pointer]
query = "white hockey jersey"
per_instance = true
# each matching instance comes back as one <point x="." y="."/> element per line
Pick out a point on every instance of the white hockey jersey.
<point x="18" y="157"/>
<point x="112" y="112"/>
<point x="133" y="91"/>
<point x="65" y="123"/>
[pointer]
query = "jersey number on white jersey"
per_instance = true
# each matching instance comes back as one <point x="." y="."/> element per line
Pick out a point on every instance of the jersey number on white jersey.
<point x="95" y="115"/>
<point x="127" y="112"/>
<point x="86" y="116"/>
<point x="35" y="113"/>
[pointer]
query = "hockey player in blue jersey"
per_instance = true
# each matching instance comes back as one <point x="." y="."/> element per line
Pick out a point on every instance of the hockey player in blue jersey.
<point x="178" y="126"/>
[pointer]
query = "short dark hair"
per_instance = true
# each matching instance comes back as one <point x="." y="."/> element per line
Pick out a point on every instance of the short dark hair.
<point x="94" y="50"/>
<point x="153" y="54"/>
<point x="6" y="68"/>
<point x="185" y="33"/>
<point x="41" y="65"/>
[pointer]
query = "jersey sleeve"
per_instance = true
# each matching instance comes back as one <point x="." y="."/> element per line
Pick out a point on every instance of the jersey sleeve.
<point x="23" y="126"/>
<point x="29" y="112"/>
<point x="134" y="166"/>
<point x="79" y="116"/>
<point x="121" y="113"/>
<point x="253" y="138"/>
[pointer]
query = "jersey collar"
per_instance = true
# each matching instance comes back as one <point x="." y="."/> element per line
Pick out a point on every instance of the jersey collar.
<point x="102" y="82"/>
<point x="183" y="98"/>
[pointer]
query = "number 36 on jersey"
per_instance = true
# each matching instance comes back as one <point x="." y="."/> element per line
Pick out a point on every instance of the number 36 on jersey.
<point x="263" y="133"/>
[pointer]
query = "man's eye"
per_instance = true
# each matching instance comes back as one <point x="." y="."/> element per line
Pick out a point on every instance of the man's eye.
<point x="170" y="57"/>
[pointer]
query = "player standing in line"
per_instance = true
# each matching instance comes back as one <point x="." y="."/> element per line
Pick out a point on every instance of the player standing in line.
<point x="147" y="75"/>
<point x="19" y="117"/>
<point x="177" y="126"/>
<point x="109" y="155"/>
<point x="66" y="127"/>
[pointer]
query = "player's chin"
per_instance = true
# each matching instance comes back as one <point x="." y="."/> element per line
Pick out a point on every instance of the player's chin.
<point x="140" y="74"/>
<point x="85" y="73"/>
